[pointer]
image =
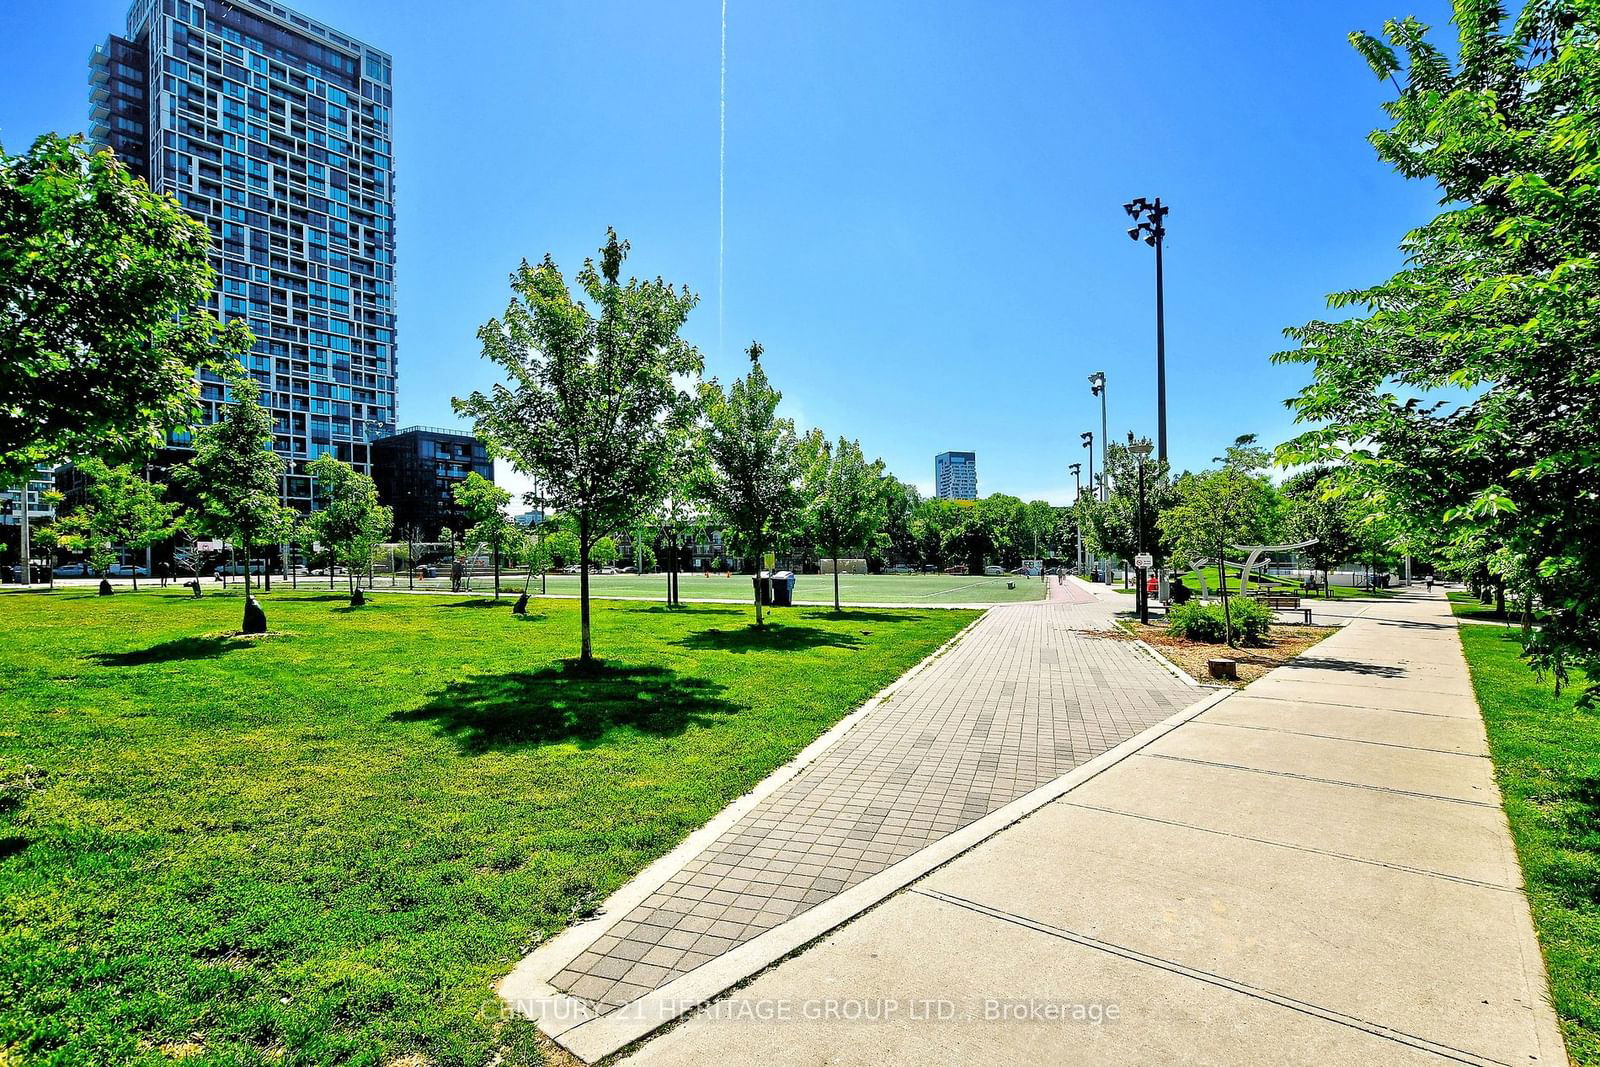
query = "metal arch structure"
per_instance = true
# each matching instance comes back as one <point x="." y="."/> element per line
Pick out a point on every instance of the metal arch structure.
<point x="1255" y="554"/>
<point x="1222" y="571"/>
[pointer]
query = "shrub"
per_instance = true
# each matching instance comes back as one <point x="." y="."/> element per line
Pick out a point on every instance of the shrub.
<point x="1195" y="621"/>
<point x="1251" y="619"/>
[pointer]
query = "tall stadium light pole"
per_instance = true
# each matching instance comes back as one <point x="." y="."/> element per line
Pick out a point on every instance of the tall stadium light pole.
<point x="1087" y="437"/>
<point x="1150" y="226"/>
<point x="1077" y="534"/>
<point x="1097" y="387"/>
<point x="1141" y="452"/>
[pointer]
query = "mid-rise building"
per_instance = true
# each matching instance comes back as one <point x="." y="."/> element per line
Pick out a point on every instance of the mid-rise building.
<point x="274" y="130"/>
<point x="417" y="471"/>
<point x="955" y="475"/>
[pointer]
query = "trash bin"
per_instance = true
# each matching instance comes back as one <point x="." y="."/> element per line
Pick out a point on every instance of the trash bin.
<point x="763" y="587"/>
<point x="783" y="589"/>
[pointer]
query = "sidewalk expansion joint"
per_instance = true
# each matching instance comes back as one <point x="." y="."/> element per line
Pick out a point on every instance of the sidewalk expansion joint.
<point x="1281" y="1000"/>
<point x="1302" y="701"/>
<point x="1315" y="778"/>
<point x="1406" y="868"/>
<point x="1350" y="740"/>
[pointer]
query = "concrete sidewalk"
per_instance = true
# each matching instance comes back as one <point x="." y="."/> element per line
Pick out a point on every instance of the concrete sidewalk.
<point x="1316" y="870"/>
<point x="968" y="742"/>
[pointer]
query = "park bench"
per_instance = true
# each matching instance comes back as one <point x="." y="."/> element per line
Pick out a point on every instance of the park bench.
<point x="1282" y="602"/>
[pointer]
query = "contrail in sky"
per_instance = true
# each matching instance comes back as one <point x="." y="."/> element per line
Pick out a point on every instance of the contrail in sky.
<point x="722" y="178"/>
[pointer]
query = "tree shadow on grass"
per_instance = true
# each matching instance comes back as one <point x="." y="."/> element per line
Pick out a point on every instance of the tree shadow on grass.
<point x="850" y="614"/>
<point x="569" y="702"/>
<point x="690" y="607"/>
<point x="1571" y="810"/>
<point x="506" y="600"/>
<point x="169" y="651"/>
<point x="776" y="637"/>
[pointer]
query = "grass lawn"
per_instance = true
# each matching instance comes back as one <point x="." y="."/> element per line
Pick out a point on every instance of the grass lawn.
<point x="853" y="588"/>
<point x="1467" y="606"/>
<point x="1277" y="583"/>
<point x="324" y="845"/>
<point x="1547" y="760"/>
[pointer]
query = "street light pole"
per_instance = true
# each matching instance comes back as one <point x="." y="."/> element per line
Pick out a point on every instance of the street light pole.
<point x="1150" y="226"/>
<point x="1141" y="452"/>
<point x="1097" y="387"/>
<point x="1077" y="534"/>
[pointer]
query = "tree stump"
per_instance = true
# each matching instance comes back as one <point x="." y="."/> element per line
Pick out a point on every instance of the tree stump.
<point x="105" y="587"/>
<point x="357" y="597"/>
<point x="255" y="620"/>
<point x="521" y="606"/>
<point x="1223" y="668"/>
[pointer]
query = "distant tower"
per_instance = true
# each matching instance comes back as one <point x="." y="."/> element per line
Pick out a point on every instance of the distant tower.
<point x="955" y="475"/>
<point x="273" y="130"/>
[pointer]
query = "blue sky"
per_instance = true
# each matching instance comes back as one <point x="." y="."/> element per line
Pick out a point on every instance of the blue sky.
<point x="924" y="224"/>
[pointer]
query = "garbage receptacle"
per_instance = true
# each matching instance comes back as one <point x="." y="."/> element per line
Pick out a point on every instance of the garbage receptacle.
<point x="763" y="587"/>
<point x="783" y="589"/>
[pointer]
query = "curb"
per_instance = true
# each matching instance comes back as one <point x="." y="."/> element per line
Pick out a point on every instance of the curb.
<point x="574" y="1026"/>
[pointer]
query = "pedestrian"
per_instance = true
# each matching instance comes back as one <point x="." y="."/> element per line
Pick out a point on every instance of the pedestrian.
<point x="1430" y="583"/>
<point x="457" y="570"/>
<point x="163" y="570"/>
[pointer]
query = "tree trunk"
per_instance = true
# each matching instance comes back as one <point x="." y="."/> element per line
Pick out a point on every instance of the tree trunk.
<point x="1500" y="598"/>
<point x="1227" y="612"/>
<point x="497" y="572"/>
<point x="836" y="585"/>
<point x="760" y="621"/>
<point x="586" y="654"/>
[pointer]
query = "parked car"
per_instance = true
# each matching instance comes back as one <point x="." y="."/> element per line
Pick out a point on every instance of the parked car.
<point x="900" y="568"/>
<point x="127" y="570"/>
<point x="959" y="568"/>
<point x="570" y="570"/>
<point x="993" y="571"/>
<point x="75" y="570"/>
<point x="257" y="567"/>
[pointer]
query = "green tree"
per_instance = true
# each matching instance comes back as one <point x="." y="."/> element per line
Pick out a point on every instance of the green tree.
<point x="843" y="493"/>
<point x="1111" y="527"/>
<point x="102" y="319"/>
<point x="121" y="508"/>
<point x="1215" y="510"/>
<point x="678" y="517"/>
<point x="532" y="550"/>
<point x="484" y="505"/>
<point x="1038" y="525"/>
<point x="603" y="553"/>
<point x="594" y="409"/>
<point x="900" y="503"/>
<point x="1315" y="509"/>
<point x="750" y="480"/>
<point x="234" y="475"/>
<point x="1500" y="297"/>
<point x="348" y="522"/>
<point x="932" y="524"/>
<point x="563" y="548"/>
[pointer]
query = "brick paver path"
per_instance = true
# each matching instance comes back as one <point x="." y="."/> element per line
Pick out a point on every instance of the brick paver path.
<point x="1032" y="691"/>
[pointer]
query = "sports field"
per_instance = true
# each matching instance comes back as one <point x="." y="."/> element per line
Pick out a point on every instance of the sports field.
<point x="817" y="588"/>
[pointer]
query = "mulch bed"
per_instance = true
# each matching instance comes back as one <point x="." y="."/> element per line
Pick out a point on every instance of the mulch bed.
<point x="1283" y="643"/>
